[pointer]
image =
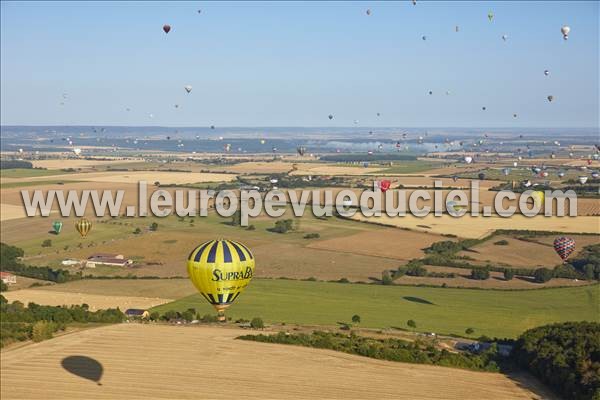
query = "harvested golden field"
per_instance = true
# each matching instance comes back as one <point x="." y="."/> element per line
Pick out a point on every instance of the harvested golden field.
<point x="390" y="243"/>
<point x="95" y="301"/>
<point x="176" y="362"/>
<point x="520" y="253"/>
<point x="148" y="288"/>
<point x="11" y="211"/>
<point x="81" y="163"/>
<point x="478" y="227"/>
<point x="164" y="177"/>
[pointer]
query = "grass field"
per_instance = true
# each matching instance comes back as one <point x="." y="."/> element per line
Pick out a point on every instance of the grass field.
<point x="27" y="172"/>
<point x="410" y="167"/>
<point x="448" y="311"/>
<point x="176" y="362"/>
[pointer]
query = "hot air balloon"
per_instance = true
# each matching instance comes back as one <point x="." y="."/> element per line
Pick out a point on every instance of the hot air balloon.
<point x="526" y="183"/>
<point x="546" y="72"/>
<point x="514" y="115"/>
<point x="564" y="246"/>
<point x="583" y="179"/>
<point x="468" y="159"/>
<point x="538" y="198"/>
<point x="301" y="150"/>
<point x="565" y="31"/>
<point x="504" y="37"/>
<point x="368" y="12"/>
<point x="212" y="127"/>
<point x="83" y="226"/>
<point x="484" y="108"/>
<point x="424" y="37"/>
<point x="456" y="28"/>
<point x="481" y="176"/>
<point x="595" y="174"/>
<point x="454" y="178"/>
<point x="506" y="171"/>
<point x="57" y="226"/>
<point x="430" y="92"/>
<point x="220" y="270"/>
<point x="384" y="185"/>
<point x="166" y="28"/>
<point x="188" y="88"/>
<point x="561" y="174"/>
<point x="550" y="98"/>
<point x="453" y="208"/>
<point x="263" y="141"/>
<point x="227" y="147"/>
<point x="490" y="16"/>
<point x="77" y="151"/>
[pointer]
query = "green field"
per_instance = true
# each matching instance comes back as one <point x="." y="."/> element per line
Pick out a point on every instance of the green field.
<point x="28" y="172"/>
<point x="440" y="310"/>
<point x="411" y="167"/>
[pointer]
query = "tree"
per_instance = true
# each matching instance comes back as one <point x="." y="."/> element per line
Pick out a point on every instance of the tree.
<point x="154" y="316"/>
<point x="42" y="330"/>
<point x="386" y="279"/>
<point x="480" y="274"/>
<point x="356" y="319"/>
<point x="543" y="275"/>
<point x="47" y="243"/>
<point x="257" y="323"/>
<point x="508" y="274"/>
<point x="469" y="331"/>
<point x="137" y="231"/>
<point x="188" y="315"/>
<point x="411" y="324"/>
<point x="589" y="271"/>
<point x="3" y="286"/>
<point x="153" y="226"/>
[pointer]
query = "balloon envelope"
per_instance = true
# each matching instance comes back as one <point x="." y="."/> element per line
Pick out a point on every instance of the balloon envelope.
<point x="220" y="270"/>
<point x="564" y="246"/>
<point x="57" y="226"/>
<point x="166" y="28"/>
<point x="83" y="226"/>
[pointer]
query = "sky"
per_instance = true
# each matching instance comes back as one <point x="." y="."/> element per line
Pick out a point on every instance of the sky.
<point x="294" y="63"/>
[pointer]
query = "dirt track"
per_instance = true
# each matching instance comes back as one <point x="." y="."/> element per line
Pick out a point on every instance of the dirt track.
<point x="176" y="362"/>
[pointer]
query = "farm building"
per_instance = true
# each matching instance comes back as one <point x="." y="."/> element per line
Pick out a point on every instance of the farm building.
<point x="107" y="259"/>
<point x="8" y="278"/>
<point x="137" y="313"/>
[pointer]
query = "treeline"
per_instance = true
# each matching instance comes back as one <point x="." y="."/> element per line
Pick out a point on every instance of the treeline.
<point x="36" y="322"/>
<point x="585" y="266"/>
<point x="9" y="164"/>
<point x="391" y="349"/>
<point x="9" y="256"/>
<point x="565" y="356"/>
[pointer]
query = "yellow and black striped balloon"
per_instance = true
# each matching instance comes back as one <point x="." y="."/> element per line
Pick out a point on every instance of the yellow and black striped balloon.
<point x="220" y="270"/>
<point x="83" y="226"/>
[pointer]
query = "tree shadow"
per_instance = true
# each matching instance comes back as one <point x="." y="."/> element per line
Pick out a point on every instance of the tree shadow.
<point x="418" y="300"/>
<point x="526" y="279"/>
<point x="51" y="232"/>
<point x="84" y="367"/>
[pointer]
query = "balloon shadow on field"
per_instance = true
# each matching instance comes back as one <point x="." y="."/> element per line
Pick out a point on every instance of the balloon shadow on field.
<point x="84" y="367"/>
<point x="418" y="300"/>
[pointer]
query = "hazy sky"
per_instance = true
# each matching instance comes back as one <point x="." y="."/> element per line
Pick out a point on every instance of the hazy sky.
<point x="293" y="63"/>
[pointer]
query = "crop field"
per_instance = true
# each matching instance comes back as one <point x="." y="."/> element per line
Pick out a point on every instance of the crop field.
<point x="95" y="301"/>
<point x="390" y="243"/>
<point x="27" y="173"/>
<point x="478" y="227"/>
<point x="128" y="354"/>
<point x="536" y="252"/>
<point x="440" y="310"/>
<point x="81" y="163"/>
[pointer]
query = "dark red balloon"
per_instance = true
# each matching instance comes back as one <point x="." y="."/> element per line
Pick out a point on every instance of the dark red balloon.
<point x="384" y="185"/>
<point x="167" y="28"/>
